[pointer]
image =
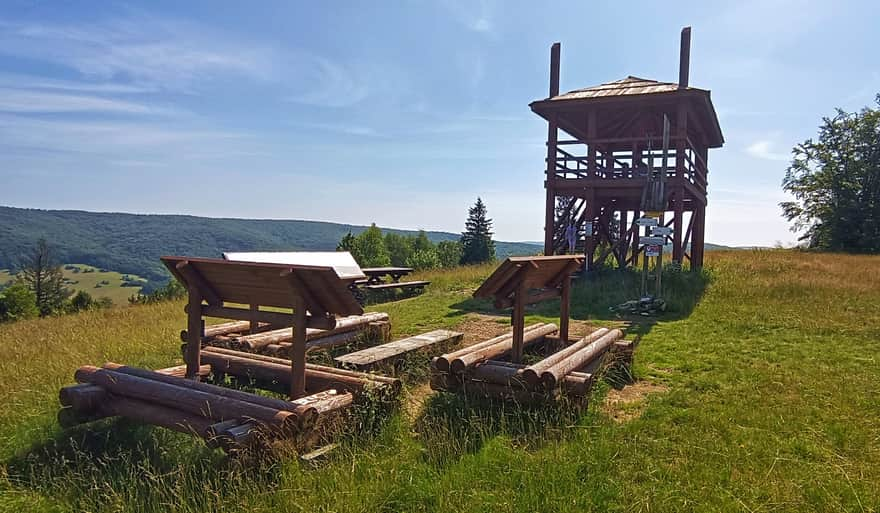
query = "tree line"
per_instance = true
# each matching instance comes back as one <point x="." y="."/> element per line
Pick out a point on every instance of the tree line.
<point x="371" y="248"/>
<point x="38" y="289"/>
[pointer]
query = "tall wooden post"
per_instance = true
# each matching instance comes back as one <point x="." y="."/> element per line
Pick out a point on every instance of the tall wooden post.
<point x="621" y="241"/>
<point x="254" y="324"/>
<point x="678" y="183"/>
<point x="552" y="139"/>
<point x="684" y="58"/>
<point x="298" y="354"/>
<point x="697" y="237"/>
<point x="590" y="240"/>
<point x="518" y="322"/>
<point x="564" y="308"/>
<point x="195" y="330"/>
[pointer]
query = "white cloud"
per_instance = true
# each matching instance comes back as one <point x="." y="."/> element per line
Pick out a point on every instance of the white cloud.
<point x="324" y="83"/>
<point x="145" y="51"/>
<point x="476" y="16"/>
<point x="13" y="100"/>
<point x="764" y="150"/>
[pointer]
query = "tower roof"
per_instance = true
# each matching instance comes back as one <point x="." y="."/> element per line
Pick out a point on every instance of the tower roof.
<point x="626" y="86"/>
<point x="630" y="94"/>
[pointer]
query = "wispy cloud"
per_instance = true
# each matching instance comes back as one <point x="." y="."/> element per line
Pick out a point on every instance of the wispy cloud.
<point x="322" y="82"/>
<point x="119" y="138"/>
<point x="14" y="100"/>
<point x="476" y="16"/>
<point x="145" y="51"/>
<point x="764" y="150"/>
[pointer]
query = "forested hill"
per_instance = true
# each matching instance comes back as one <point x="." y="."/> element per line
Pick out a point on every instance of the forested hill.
<point x="131" y="243"/>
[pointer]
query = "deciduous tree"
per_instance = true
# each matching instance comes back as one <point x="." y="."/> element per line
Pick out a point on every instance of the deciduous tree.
<point x="835" y="181"/>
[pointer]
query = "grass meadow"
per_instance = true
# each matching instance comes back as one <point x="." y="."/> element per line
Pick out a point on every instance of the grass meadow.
<point x="760" y="392"/>
<point x="99" y="283"/>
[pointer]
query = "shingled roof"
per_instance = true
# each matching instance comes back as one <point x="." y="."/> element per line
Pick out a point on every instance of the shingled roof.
<point x="628" y="86"/>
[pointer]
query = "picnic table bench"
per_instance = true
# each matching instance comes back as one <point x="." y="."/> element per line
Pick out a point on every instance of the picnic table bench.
<point x="376" y="275"/>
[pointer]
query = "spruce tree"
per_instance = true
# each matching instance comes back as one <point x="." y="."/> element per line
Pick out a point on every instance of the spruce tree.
<point x="476" y="241"/>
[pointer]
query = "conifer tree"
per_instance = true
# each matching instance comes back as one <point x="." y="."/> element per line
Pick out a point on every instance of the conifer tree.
<point x="43" y="276"/>
<point x="477" y="245"/>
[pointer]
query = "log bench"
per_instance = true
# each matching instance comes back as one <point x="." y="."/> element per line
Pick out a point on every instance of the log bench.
<point x="398" y="285"/>
<point x="393" y="351"/>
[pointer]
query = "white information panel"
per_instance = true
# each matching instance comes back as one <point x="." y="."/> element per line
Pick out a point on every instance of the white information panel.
<point x="341" y="261"/>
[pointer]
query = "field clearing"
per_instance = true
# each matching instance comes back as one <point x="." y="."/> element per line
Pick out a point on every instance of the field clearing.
<point x="759" y="392"/>
<point x="99" y="283"/>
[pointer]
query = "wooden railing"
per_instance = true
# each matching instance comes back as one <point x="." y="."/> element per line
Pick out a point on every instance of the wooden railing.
<point x="617" y="163"/>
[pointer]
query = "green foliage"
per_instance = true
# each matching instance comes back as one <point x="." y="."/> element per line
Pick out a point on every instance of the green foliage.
<point x="347" y="243"/>
<point x="421" y="242"/>
<point x="836" y="184"/>
<point x="17" y="302"/>
<point x="449" y="253"/>
<point x="400" y="247"/>
<point x="171" y="291"/>
<point x="80" y="301"/>
<point x="370" y="250"/>
<point x="476" y="240"/>
<point x="41" y="272"/>
<point x="423" y="259"/>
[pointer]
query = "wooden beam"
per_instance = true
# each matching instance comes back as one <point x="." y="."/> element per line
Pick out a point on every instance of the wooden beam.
<point x="275" y="318"/>
<point x="518" y="322"/>
<point x="195" y="330"/>
<point x="684" y="58"/>
<point x="194" y="279"/>
<point x="298" y="351"/>
<point x="564" y="307"/>
<point x="530" y="298"/>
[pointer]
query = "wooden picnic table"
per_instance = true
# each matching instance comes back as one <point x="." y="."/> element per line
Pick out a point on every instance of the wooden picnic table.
<point x="375" y="275"/>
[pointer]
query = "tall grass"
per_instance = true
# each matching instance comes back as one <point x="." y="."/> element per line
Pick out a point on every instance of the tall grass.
<point x="769" y="360"/>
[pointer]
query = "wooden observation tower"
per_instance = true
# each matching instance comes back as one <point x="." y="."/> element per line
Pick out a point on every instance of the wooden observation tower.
<point x="608" y="148"/>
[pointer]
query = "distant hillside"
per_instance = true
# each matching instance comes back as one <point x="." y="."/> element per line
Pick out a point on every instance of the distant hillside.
<point x="130" y="243"/>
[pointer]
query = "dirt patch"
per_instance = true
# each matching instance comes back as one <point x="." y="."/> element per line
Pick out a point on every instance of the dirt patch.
<point x="629" y="402"/>
<point x="415" y="400"/>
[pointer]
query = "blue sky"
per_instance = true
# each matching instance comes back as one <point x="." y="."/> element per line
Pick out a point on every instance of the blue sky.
<point x="399" y="112"/>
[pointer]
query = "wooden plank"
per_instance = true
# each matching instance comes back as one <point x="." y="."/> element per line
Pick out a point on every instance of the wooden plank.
<point x="384" y="353"/>
<point x="398" y="285"/>
<point x="277" y="318"/>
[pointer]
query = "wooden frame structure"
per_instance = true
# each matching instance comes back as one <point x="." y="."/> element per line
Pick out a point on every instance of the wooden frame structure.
<point x="603" y="143"/>
<point x="314" y="294"/>
<point x="175" y="398"/>
<point x="495" y="368"/>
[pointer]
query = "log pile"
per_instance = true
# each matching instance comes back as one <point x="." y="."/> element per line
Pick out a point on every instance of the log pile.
<point x="264" y="339"/>
<point x="224" y="417"/>
<point x="481" y="369"/>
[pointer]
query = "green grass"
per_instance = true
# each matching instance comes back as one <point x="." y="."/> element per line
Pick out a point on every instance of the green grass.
<point x="771" y="404"/>
<point x="99" y="283"/>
